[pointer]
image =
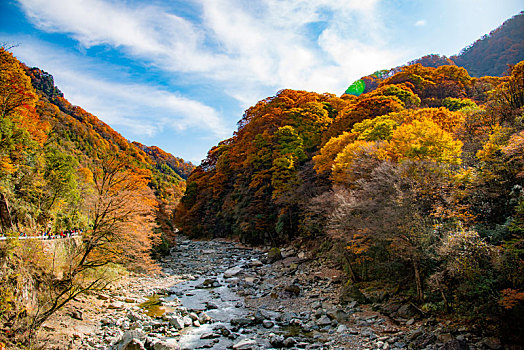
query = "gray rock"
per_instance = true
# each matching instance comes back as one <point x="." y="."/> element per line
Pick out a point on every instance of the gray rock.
<point x="289" y="342"/>
<point x="455" y="344"/>
<point x="276" y="341"/>
<point x="350" y="292"/>
<point x="209" y="335"/>
<point x="187" y="321"/>
<point x="240" y="321"/>
<point x="323" y="321"/>
<point x="167" y="344"/>
<point x="136" y="336"/>
<point x="406" y="311"/>
<point x="268" y="324"/>
<point x="176" y="322"/>
<point x="115" y="305"/>
<point x="368" y="332"/>
<point x="245" y="344"/>
<point x="255" y="263"/>
<point x="492" y="343"/>
<point x="134" y="344"/>
<point x="341" y="328"/>
<point x="232" y="272"/>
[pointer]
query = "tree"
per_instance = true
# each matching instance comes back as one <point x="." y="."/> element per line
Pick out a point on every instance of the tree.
<point x="121" y="211"/>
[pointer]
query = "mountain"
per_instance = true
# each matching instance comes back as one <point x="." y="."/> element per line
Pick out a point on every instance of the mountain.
<point x="163" y="159"/>
<point x="43" y="130"/>
<point x="491" y="54"/>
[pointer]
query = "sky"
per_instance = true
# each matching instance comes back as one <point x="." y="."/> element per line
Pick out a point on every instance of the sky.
<point x="179" y="74"/>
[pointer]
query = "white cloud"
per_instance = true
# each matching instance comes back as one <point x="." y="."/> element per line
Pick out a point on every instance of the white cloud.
<point x="420" y="23"/>
<point x="242" y="45"/>
<point x="136" y="107"/>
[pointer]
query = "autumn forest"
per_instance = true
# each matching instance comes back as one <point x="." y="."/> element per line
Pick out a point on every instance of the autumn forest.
<point x="411" y="182"/>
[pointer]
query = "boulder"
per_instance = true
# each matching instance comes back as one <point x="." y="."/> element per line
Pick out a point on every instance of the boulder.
<point x="245" y="344"/>
<point x="232" y="272"/>
<point x="134" y="344"/>
<point x="290" y="342"/>
<point x="323" y="321"/>
<point x="132" y="340"/>
<point x="293" y="289"/>
<point x="274" y="255"/>
<point x="176" y="322"/>
<point x="167" y="344"/>
<point x="350" y="292"/>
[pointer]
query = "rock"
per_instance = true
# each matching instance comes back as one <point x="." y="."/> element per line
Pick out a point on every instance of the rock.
<point x="293" y="289"/>
<point x="187" y="321"/>
<point x="255" y="263"/>
<point x="103" y="296"/>
<point x="208" y="283"/>
<point x="368" y="332"/>
<point x="268" y="324"/>
<point x="115" y="305"/>
<point x="341" y="316"/>
<point x="167" y="344"/>
<point x="316" y="305"/>
<point x="323" y="321"/>
<point x="289" y="342"/>
<point x="176" y="322"/>
<point x="245" y="344"/>
<point x="130" y="300"/>
<point x="274" y="255"/>
<point x="77" y="314"/>
<point x="410" y="322"/>
<point x="492" y="343"/>
<point x="209" y="335"/>
<point x="232" y="272"/>
<point x="349" y="293"/>
<point x="137" y="337"/>
<point x="276" y="341"/>
<point x="406" y="311"/>
<point x="134" y="344"/>
<point x="210" y="305"/>
<point x="204" y="318"/>
<point x="240" y="321"/>
<point x="455" y="344"/>
<point x="193" y="316"/>
<point x="341" y="328"/>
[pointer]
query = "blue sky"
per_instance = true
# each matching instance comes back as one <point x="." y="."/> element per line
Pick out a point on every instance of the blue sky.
<point x="179" y="74"/>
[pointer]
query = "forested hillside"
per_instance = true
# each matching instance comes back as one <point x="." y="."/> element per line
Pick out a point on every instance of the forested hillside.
<point x="63" y="170"/>
<point x="68" y="143"/>
<point x="491" y="54"/>
<point x="419" y="179"/>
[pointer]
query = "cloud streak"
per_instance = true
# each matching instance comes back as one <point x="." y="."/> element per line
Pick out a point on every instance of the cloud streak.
<point x="133" y="106"/>
<point x="243" y="45"/>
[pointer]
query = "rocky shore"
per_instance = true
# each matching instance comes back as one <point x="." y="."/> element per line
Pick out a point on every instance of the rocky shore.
<point x="219" y="295"/>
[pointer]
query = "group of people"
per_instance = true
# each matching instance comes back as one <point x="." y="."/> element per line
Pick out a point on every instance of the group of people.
<point x="62" y="234"/>
<point x="48" y="234"/>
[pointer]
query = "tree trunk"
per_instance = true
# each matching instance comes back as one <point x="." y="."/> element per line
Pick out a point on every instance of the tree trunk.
<point x="5" y="214"/>
<point x="352" y="274"/>
<point x="418" y="280"/>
